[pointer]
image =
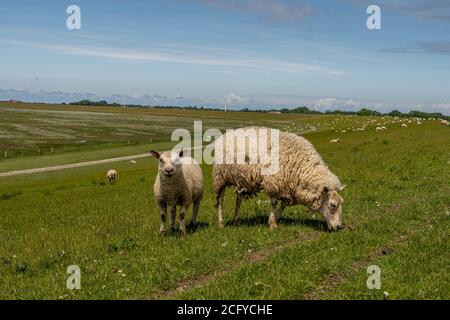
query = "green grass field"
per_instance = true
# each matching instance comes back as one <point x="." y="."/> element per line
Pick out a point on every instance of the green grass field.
<point x="396" y="213"/>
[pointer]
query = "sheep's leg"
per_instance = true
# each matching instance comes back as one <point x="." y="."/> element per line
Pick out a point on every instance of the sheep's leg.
<point x="237" y="209"/>
<point x="173" y="214"/>
<point x="182" y="217"/>
<point x="283" y="206"/>
<point x="195" y="210"/>
<point x="163" y="212"/>
<point x="219" y="207"/>
<point x="272" y="218"/>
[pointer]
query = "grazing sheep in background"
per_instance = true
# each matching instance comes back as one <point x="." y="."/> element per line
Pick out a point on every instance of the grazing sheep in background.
<point x="335" y="141"/>
<point x="445" y="123"/>
<point x="302" y="178"/>
<point x="404" y="125"/>
<point x="179" y="183"/>
<point x="111" y="175"/>
<point x="133" y="161"/>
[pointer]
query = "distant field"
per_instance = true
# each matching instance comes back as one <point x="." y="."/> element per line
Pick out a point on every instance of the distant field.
<point x="396" y="212"/>
<point x="38" y="129"/>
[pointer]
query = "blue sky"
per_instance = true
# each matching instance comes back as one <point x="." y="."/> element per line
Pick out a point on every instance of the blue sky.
<point x="257" y="53"/>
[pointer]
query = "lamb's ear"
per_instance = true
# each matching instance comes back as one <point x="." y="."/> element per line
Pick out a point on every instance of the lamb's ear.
<point x="181" y="154"/>
<point x="343" y="187"/>
<point x="155" y="154"/>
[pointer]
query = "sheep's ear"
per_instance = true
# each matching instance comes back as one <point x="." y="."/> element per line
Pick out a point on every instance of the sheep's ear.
<point x="181" y="154"/>
<point x="155" y="154"/>
<point x="343" y="187"/>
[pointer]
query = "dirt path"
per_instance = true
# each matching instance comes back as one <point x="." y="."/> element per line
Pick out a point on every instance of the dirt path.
<point x="75" y="165"/>
<point x="72" y="165"/>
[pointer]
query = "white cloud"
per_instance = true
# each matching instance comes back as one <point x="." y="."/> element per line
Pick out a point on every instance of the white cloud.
<point x="235" y="101"/>
<point x="210" y="59"/>
<point x="443" y="107"/>
<point x="325" y="102"/>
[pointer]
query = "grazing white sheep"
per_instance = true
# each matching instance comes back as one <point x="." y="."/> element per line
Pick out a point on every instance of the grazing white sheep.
<point x="445" y="122"/>
<point x="302" y="178"/>
<point x="404" y="125"/>
<point x="179" y="183"/>
<point x="133" y="161"/>
<point x="335" y="141"/>
<point x="112" y="175"/>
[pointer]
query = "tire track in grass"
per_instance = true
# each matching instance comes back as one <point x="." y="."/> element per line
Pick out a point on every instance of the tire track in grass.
<point x="200" y="280"/>
<point x="335" y="279"/>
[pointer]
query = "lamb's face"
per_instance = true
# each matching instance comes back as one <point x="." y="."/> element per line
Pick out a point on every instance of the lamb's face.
<point x="169" y="162"/>
<point x="331" y="209"/>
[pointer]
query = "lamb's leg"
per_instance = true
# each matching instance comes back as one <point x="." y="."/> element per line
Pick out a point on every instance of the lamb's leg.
<point x="219" y="206"/>
<point x="237" y="209"/>
<point x="173" y="214"/>
<point x="163" y="212"/>
<point x="195" y="210"/>
<point x="183" y="210"/>
<point x="272" y="218"/>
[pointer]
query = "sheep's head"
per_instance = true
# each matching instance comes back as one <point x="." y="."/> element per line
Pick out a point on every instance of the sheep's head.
<point x="331" y="208"/>
<point x="169" y="162"/>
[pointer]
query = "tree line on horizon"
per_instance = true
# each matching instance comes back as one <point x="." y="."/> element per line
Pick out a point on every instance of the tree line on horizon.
<point x="299" y="110"/>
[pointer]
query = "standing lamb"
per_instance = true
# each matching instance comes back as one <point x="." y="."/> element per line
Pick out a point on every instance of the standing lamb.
<point x="111" y="175"/>
<point x="179" y="183"/>
<point x="302" y="178"/>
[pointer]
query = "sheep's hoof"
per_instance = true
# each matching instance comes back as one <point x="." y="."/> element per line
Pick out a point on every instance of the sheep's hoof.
<point x="221" y="225"/>
<point x="162" y="233"/>
<point x="183" y="233"/>
<point x="273" y="226"/>
<point x="192" y="225"/>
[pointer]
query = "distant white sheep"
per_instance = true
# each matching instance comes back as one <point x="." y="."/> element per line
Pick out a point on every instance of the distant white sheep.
<point x="404" y="125"/>
<point x="112" y="175"/>
<point x="335" y="141"/>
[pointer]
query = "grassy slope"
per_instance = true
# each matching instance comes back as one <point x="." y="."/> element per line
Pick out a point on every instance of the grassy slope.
<point x="397" y="189"/>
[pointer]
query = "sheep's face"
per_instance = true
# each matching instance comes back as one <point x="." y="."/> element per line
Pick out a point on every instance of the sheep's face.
<point x="331" y="209"/>
<point x="169" y="162"/>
